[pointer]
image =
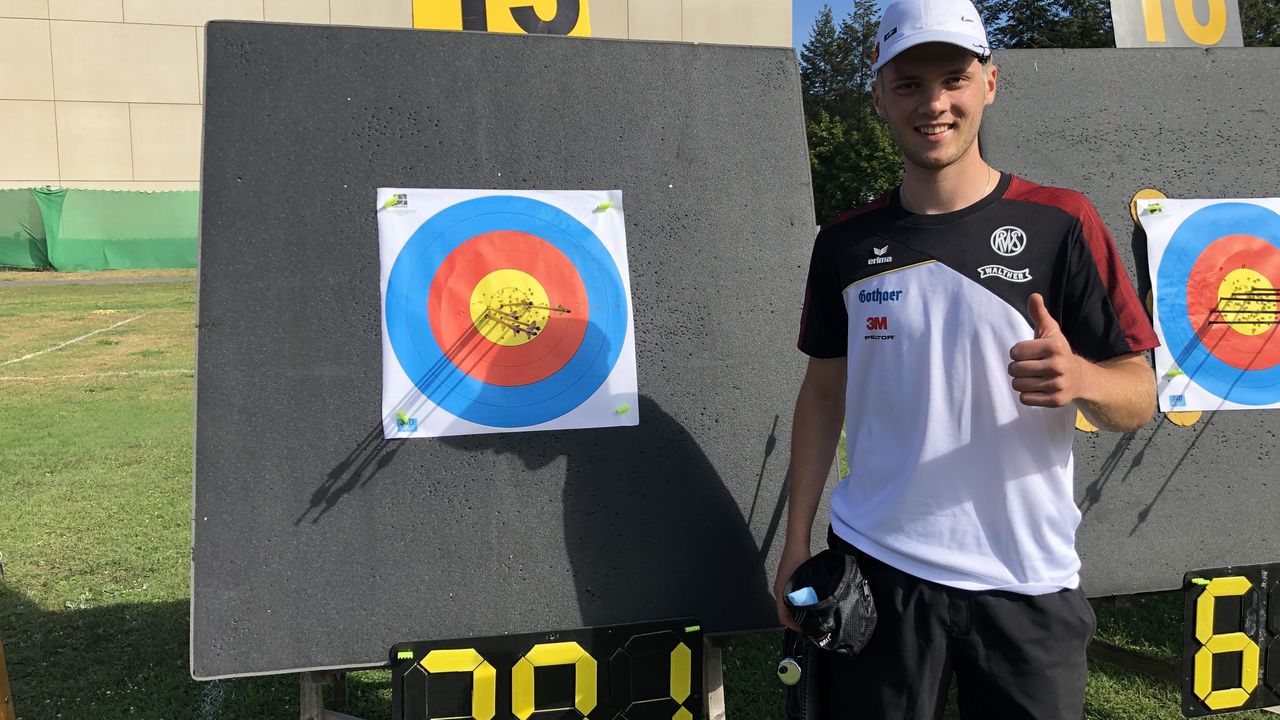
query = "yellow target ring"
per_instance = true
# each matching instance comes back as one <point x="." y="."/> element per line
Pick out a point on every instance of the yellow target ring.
<point x="509" y="307"/>
<point x="1245" y="316"/>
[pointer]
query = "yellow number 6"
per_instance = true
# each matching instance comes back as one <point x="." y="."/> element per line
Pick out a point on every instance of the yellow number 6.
<point x="1222" y="643"/>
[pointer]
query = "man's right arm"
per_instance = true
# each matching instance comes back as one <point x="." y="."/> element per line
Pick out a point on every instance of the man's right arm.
<point x="815" y="430"/>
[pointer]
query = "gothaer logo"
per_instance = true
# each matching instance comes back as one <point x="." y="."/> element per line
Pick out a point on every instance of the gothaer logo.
<point x="1004" y="273"/>
<point x="880" y="257"/>
<point x="1008" y="240"/>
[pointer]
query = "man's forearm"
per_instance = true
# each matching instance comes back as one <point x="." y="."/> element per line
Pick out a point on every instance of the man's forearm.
<point x="1119" y="395"/>
<point x="815" y="431"/>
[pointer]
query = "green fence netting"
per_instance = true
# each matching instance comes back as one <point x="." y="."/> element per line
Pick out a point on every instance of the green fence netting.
<point x="22" y="242"/>
<point x="119" y="230"/>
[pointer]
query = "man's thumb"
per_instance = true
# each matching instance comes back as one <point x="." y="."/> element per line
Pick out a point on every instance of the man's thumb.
<point x="1044" y="323"/>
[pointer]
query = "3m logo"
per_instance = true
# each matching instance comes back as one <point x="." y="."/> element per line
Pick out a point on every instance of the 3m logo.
<point x="1008" y="240"/>
<point x="877" y="323"/>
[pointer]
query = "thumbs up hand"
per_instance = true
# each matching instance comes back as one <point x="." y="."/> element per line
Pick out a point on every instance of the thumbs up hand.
<point x="1045" y="372"/>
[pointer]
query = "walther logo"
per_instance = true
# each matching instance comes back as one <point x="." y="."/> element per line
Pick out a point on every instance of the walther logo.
<point x="1004" y="273"/>
<point x="1008" y="240"/>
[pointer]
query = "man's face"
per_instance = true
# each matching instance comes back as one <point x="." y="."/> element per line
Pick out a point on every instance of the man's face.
<point x="933" y="96"/>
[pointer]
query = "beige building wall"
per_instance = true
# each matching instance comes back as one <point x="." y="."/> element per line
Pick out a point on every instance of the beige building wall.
<point x="107" y="93"/>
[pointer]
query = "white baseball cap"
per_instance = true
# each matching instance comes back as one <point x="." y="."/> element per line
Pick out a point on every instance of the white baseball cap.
<point x="907" y="23"/>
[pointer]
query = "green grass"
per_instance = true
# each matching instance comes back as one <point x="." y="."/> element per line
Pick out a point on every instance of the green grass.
<point x="95" y="492"/>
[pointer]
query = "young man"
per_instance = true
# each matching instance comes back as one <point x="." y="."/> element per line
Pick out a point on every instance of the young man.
<point x="955" y="326"/>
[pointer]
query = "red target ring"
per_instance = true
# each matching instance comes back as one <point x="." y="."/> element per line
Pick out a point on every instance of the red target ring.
<point x="1205" y="303"/>
<point x="459" y="339"/>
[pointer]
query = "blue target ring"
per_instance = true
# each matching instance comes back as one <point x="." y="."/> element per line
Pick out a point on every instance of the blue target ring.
<point x="429" y="366"/>
<point x="1189" y="241"/>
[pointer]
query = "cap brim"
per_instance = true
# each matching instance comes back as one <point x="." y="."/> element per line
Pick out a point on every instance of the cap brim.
<point x="960" y="40"/>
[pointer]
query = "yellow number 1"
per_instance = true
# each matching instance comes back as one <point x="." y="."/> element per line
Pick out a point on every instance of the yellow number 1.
<point x="1223" y="643"/>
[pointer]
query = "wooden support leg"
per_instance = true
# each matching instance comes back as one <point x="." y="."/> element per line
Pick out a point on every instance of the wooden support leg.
<point x="6" y="698"/>
<point x="311" y="695"/>
<point x="713" y="674"/>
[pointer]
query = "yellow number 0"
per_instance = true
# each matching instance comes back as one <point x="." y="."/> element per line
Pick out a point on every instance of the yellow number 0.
<point x="484" y="680"/>
<point x="543" y="655"/>
<point x="1208" y="34"/>
<point x="1226" y="642"/>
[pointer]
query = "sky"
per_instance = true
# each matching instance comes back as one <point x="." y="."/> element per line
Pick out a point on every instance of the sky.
<point x="804" y="11"/>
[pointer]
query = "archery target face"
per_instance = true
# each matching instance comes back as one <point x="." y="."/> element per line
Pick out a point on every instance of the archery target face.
<point x="1215" y="268"/>
<point x="504" y="311"/>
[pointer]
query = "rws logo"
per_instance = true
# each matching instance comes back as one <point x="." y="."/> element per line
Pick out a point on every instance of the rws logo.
<point x="566" y="17"/>
<point x="1008" y="240"/>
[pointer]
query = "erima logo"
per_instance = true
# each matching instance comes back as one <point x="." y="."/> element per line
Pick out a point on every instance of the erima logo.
<point x="1004" y="273"/>
<point x="879" y="296"/>
<point x="965" y="19"/>
<point x="890" y="34"/>
<point x="880" y="258"/>
<point x="1008" y="240"/>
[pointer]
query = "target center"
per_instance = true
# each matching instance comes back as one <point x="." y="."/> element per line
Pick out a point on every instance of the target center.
<point x="1247" y="302"/>
<point x="509" y="307"/>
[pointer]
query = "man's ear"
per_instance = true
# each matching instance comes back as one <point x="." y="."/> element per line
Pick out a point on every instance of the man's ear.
<point x="875" y="95"/>
<point x="991" y="83"/>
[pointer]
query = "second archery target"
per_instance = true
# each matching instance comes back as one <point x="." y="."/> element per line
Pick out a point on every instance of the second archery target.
<point x="1216" y="276"/>
<point x="504" y="311"/>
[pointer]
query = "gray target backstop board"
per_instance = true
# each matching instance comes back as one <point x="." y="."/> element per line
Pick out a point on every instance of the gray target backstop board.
<point x="319" y="544"/>
<point x="1193" y="124"/>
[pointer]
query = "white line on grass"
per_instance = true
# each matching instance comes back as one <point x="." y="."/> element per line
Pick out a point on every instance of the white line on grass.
<point x="69" y="342"/>
<point x="96" y="375"/>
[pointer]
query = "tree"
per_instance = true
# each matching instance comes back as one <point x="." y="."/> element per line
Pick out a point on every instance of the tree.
<point x="1084" y="24"/>
<point x="1260" y="22"/>
<point x="1059" y="23"/>
<point x="1021" y="23"/>
<point x="851" y="153"/>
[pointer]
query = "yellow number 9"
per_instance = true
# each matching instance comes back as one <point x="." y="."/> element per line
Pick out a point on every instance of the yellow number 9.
<point x="484" y="680"/>
<point x="544" y="655"/>
<point x="1225" y="642"/>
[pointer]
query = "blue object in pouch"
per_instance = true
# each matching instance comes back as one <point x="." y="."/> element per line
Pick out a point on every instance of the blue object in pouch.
<point x="803" y="597"/>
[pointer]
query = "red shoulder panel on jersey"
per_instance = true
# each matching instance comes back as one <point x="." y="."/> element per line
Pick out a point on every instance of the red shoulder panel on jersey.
<point x="847" y="214"/>
<point x="1129" y="309"/>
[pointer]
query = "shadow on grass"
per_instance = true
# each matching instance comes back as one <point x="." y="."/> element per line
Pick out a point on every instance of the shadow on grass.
<point x="130" y="660"/>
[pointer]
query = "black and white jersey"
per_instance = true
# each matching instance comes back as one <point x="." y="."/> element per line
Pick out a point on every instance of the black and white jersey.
<point x="951" y="478"/>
